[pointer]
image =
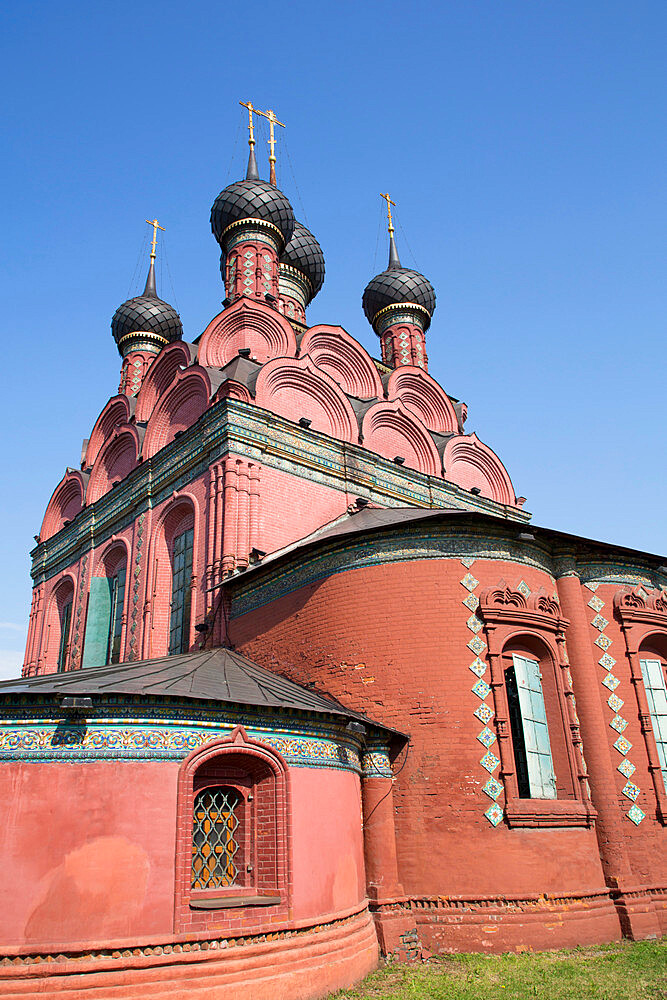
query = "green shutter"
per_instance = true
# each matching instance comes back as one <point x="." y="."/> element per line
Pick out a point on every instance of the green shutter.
<point x="656" y="695"/>
<point x="541" y="777"/>
<point x="97" y="623"/>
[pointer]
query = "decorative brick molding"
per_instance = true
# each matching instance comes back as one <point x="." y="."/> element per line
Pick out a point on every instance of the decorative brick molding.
<point x="643" y="617"/>
<point x="515" y="614"/>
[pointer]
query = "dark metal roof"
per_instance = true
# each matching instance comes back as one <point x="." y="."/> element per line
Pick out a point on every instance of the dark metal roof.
<point x="397" y="284"/>
<point x="252" y="199"/>
<point x="220" y="675"/>
<point x="305" y="254"/>
<point x="147" y="313"/>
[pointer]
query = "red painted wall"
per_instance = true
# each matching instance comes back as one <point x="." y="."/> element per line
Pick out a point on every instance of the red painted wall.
<point x="104" y="874"/>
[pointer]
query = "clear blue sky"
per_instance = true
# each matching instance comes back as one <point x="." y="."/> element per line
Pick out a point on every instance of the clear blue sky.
<point x="523" y="140"/>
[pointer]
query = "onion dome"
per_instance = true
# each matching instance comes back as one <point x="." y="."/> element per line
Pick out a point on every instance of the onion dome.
<point x="304" y="254"/>
<point x="398" y="286"/>
<point x="146" y="318"/>
<point x="252" y="199"/>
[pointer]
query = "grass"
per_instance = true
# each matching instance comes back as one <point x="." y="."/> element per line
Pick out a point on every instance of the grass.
<point x="625" y="971"/>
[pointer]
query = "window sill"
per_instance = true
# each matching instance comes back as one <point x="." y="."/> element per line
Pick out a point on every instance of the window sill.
<point x="549" y="812"/>
<point x="228" y="902"/>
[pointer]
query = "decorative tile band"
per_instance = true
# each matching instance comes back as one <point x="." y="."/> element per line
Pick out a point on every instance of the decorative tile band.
<point x="484" y="713"/>
<point x="617" y="722"/>
<point x="71" y="741"/>
<point x="376" y="764"/>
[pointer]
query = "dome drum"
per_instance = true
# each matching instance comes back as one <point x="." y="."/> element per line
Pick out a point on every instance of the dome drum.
<point x="401" y="312"/>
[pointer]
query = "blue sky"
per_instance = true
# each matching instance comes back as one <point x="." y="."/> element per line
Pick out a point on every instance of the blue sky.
<point x="524" y="144"/>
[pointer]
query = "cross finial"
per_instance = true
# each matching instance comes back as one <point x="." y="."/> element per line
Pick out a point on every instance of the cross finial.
<point x="270" y="115"/>
<point x="389" y="204"/>
<point x="251" y="121"/>
<point x="155" y="224"/>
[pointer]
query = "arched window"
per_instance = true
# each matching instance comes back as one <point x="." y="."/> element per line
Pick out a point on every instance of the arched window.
<point x="530" y="730"/>
<point x="65" y="628"/>
<point x="181" y="575"/>
<point x="232" y="843"/>
<point x="105" y="615"/>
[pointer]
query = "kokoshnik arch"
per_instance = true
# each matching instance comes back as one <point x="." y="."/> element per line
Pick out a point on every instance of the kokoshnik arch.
<point x="302" y="683"/>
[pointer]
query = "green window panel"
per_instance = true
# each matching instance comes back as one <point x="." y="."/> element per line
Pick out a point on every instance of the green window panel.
<point x="656" y="695"/>
<point x="530" y="731"/>
<point x="179" y="622"/>
<point x="65" y="626"/>
<point x="104" y="620"/>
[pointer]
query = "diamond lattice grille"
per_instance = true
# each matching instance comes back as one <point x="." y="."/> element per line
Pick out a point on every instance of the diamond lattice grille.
<point x="214" y="845"/>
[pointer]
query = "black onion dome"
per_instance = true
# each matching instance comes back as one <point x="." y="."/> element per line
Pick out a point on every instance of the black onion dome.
<point x="396" y="285"/>
<point x="252" y="199"/>
<point x="147" y="314"/>
<point x="304" y="253"/>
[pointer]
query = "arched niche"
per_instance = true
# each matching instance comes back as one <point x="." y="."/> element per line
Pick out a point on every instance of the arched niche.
<point x="179" y="516"/>
<point x="65" y="503"/>
<point x="160" y="377"/>
<point x="422" y="395"/>
<point x="392" y="431"/>
<point x="57" y="636"/>
<point x="469" y="463"/>
<point x="179" y="408"/>
<point x="246" y="325"/>
<point x="115" y="461"/>
<point x="338" y="354"/>
<point x="118" y="411"/>
<point x="296" y="388"/>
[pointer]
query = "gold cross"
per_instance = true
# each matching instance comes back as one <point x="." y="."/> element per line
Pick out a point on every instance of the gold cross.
<point x="251" y="122"/>
<point x="271" y="116"/>
<point x="154" y="223"/>
<point x="389" y="204"/>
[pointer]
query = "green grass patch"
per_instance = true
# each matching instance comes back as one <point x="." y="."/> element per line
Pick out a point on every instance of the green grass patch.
<point x="624" y="971"/>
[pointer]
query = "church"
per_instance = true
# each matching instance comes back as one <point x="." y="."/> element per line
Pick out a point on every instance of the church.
<point x="304" y="684"/>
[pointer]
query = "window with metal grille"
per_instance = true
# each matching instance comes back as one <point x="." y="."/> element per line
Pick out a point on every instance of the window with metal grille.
<point x="530" y="732"/>
<point x="656" y="695"/>
<point x="215" y="847"/>
<point x="65" y="624"/>
<point x="117" y="589"/>
<point x="179" y="622"/>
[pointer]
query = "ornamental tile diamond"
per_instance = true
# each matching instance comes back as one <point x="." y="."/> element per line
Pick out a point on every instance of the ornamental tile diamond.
<point x="626" y="768"/>
<point x="607" y="661"/>
<point x="469" y="582"/>
<point x="478" y="667"/>
<point x="619" y="724"/>
<point x="615" y="703"/>
<point x="481" y="689"/>
<point x="484" y="714"/>
<point x="622" y="745"/>
<point x="524" y="589"/>
<point x="477" y="645"/>
<point x="611" y="682"/>
<point x="471" y="602"/>
<point x="494" y="814"/>
<point x="486" y="737"/>
<point x="592" y="586"/>
<point x="631" y="791"/>
<point x="492" y="788"/>
<point x="635" y="814"/>
<point x="596" y="603"/>
<point x="467" y="561"/>
<point x="603" y="641"/>
<point x="474" y="624"/>
<point x="600" y="623"/>
<point x="490" y="762"/>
